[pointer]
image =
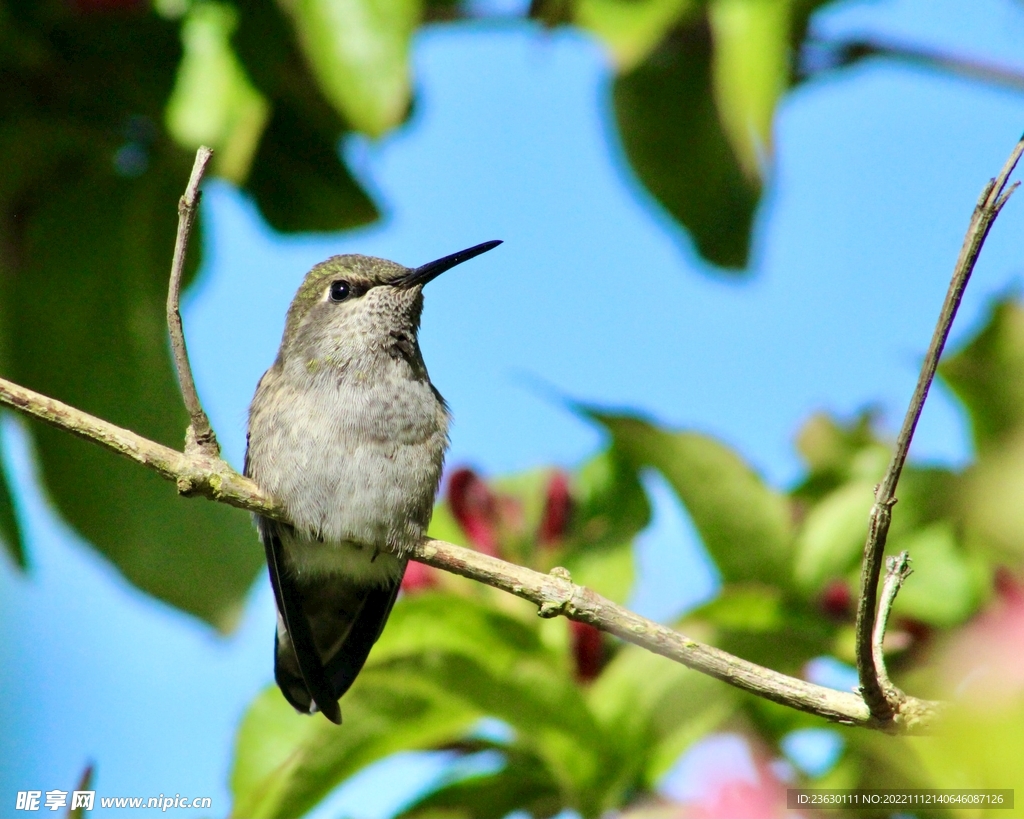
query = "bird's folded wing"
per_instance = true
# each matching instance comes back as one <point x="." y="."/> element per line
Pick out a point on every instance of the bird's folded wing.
<point x="299" y="647"/>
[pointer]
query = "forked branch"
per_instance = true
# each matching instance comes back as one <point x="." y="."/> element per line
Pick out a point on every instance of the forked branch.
<point x="200" y="470"/>
<point x="897" y="570"/>
<point x="554" y="594"/>
<point x="991" y="201"/>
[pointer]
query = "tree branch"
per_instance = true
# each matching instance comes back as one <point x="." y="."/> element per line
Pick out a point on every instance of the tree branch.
<point x="195" y="474"/>
<point x="555" y="593"/>
<point x="992" y="199"/>
<point x="200" y="436"/>
<point x="828" y="55"/>
<point x="897" y="570"/>
<point x="200" y="471"/>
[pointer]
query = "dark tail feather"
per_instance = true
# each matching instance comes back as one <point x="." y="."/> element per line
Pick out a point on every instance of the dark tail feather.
<point x="350" y="656"/>
<point x="329" y="626"/>
<point x="305" y="658"/>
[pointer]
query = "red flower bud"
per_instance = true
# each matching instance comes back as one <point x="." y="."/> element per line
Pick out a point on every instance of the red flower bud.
<point x="587" y="649"/>
<point x="475" y="508"/>
<point x="557" y="511"/>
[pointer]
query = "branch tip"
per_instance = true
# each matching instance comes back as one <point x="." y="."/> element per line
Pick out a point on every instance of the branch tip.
<point x="881" y="697"/>
<point x="199" y="437"/>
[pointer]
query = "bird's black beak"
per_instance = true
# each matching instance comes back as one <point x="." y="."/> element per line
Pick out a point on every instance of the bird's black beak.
<point x="431" y="270"/>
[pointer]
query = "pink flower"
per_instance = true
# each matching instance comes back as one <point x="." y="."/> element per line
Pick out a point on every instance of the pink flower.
<point x="418" y="577"/>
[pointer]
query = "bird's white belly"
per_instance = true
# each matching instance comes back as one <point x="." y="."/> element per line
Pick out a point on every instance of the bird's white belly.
<point x="362" y="564"/>
<point x="357" y="472"/>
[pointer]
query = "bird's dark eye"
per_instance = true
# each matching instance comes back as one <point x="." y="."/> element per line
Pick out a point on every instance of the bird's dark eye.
<point x="340" y="290"/>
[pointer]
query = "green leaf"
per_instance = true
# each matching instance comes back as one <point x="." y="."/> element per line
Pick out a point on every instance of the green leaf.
<point x="887" y="762"/>
<point x="631" y="29"/>
<point x="104" y="244"/>
<point x="674" y="140"/>
<point x="927" y="495"/>
<point x="287" y="762"/>
<point x="611" y="505"/>
<point x="987" y="375"/>
<point x="828" y="445"/>
<point x="500" y="665"/>
<point x="213" y="102"/>
<point x="359" y="52"/>
<point x="943" y="589"/>
<point x="442" y="663"/>
<point x="836" y="452"/>
<point x="751" y="73"/>
<point x="752" y="607"/>
<point x="95" y="70"/>
<point x="654" y="708"/>
<point x="548" y="713"/>
<point x="10" y="529"/>
<point x="610" y="572"/>
<point x="299" y="180"/>
<point x="833" y="534"/>
<point x="84" y="784"/>
<point x="759" y="623"/>
<point x="979" y="745"/>
<point x="448" y="624"/>
<point x="610" y="510"/>
<point x="523" y="784"/>
<point x="989" y="502"/>
<point x="744" y="524"/>
<point x="91" y="206"/>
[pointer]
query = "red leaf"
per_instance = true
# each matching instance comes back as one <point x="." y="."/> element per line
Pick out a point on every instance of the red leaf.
<point x="475" y="508"/>
<point x="557" y="511"/>
<point x="1007" y="585"/>
<point x="587" y="650"/>
<point x="837" y="600"/>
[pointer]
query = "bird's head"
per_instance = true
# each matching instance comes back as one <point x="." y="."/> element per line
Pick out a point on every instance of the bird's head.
<point x="351" y="306"/>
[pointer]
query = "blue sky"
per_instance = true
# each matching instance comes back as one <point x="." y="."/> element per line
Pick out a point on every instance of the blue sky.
<point x="594" y="294"/>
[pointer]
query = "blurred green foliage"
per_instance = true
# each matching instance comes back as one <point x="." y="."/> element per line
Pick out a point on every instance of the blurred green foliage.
<point x="592" y="726"/>
<point x="102" y="103"/>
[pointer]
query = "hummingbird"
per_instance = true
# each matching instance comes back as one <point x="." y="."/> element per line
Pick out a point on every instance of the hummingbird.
<point x="347" y="433"/>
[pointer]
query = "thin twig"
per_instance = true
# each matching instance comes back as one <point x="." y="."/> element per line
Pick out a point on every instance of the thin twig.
<point x="554" y="593"/>
<point x="200" y="436"/>
<point x="827" y="55"/>
<point x="897" y="570"/>
<point x="992" y="199"/>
